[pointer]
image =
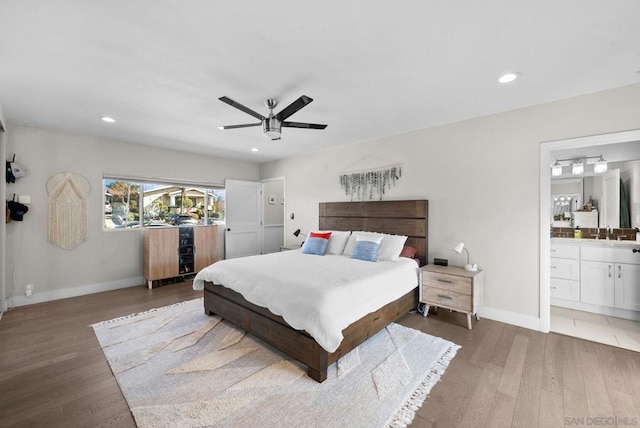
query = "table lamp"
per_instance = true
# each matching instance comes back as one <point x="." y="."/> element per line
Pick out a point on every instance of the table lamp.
<point x="458" y="249"/>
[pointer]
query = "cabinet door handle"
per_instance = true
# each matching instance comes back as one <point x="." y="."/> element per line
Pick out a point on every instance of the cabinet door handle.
<point x="444" y="296"/>
<point x="446" y="281"/>
<point x="554" y="288"/>
<point x="619" y="271"/>
<point x="609" y="271"/>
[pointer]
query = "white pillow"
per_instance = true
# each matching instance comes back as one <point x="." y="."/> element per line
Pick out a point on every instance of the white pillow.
<point x="337" y="241"/>
<point x="391" y="247"/>
<point x="348" y="248"/>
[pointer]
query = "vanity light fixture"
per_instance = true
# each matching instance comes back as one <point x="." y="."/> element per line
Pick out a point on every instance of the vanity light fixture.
<point x="577" y="168"/>
<point x="578" y="165"/>
<point x="600" y="167"/>
<point x="458" y="249"/>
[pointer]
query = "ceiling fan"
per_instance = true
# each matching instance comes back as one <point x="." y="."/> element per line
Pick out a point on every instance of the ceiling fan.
<point x="272" y="125"/>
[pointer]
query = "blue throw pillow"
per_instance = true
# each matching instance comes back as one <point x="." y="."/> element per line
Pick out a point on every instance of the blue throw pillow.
<point x="366" y="250"/>
<point x="316" y="243"/>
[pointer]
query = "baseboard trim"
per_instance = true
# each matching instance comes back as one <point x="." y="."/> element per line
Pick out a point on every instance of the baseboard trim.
<point x="64" y="293"/>
<point x="525" y="321"/>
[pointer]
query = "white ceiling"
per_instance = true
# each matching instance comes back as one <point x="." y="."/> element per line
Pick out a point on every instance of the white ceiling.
<point x="374" y="68"/>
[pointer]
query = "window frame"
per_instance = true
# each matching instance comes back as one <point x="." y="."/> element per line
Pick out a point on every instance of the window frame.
<point x="141" y="182"/>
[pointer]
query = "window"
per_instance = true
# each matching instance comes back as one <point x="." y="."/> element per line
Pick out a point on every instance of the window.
<point x="132" y="204"/>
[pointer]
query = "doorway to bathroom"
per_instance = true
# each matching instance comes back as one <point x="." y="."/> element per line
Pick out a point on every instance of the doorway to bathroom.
<point x="604" y="325"/>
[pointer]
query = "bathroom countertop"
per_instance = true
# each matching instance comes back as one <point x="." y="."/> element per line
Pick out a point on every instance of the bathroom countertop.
<point x="595" y="242"/>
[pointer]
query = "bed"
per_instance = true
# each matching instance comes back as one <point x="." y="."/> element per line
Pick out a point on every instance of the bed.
<point x="407" y="217"/>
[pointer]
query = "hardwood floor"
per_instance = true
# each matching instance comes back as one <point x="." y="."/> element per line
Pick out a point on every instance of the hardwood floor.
<point x="54" y="374"/>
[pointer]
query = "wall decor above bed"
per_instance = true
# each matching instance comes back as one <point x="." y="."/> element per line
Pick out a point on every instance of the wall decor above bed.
<point x="367" y="183"/>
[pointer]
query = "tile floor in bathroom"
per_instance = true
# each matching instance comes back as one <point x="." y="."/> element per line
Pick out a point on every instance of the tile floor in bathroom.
<point x="612" y="331"/>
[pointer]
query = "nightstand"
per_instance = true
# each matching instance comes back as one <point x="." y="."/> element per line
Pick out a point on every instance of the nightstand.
<point x="452" y="287"/>
<point x="289" y="247"/>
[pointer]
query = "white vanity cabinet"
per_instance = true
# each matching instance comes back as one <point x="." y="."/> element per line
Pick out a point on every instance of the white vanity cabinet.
<point x="627" y="293"/>
<point x="598" y="286"/>
<point x="565" y="272"/>
<point x="610" y="277"/>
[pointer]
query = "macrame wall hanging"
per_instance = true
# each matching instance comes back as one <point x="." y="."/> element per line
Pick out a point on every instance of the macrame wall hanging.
<point x="371" y="182"/>
<point x="68" y="193"/>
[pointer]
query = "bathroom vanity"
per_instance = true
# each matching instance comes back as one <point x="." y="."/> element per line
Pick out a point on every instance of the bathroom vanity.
<point x="596" y="275"/>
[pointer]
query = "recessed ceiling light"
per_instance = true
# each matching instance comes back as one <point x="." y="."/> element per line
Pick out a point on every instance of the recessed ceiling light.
<point x="107" y="119"/>
<point x="255" y="149"/>
<point x="508" y="77"/>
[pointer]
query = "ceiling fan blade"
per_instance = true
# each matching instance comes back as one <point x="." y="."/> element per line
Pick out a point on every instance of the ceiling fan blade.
<point x="246" y="125"/>
<point x="303" y="125"/>
<point x="293" y="107"/>
<point x="241" y="107"/>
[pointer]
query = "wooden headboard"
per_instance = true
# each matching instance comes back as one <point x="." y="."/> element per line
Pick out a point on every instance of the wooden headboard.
<point x="393" y="217"/>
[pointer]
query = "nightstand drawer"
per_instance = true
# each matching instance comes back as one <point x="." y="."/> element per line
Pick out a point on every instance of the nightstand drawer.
<point x="447" y="282"/>
<point x="447" y="298"/>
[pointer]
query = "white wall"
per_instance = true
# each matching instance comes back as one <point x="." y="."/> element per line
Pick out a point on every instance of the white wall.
<point x="3" y="228"/>
<point x="273" y="214"/>
<point x="108" y="259"/>
<point x="482" y="179"/>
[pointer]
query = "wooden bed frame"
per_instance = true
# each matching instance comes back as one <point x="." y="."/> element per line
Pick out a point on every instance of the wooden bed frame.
<point x="393" y="217"/>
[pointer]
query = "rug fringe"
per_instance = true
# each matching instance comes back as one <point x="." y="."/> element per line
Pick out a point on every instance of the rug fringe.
<point x="406" y="414"/>
<point x="136" y="314"/>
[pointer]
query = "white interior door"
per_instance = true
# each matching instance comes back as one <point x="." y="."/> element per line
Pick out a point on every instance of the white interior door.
<point x="611" y="199"/>
<point x="243" y="235"/>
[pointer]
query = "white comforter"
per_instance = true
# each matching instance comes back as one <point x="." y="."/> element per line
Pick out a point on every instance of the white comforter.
<point x="319" y="294"/>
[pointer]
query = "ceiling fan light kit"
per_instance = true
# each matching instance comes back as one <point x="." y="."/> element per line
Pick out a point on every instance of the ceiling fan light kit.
<point x="272" y="125"/>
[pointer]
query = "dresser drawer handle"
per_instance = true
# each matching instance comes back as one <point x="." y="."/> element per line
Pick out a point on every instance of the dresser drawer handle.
<point x="444" y="296"/>
<point x="446" y="281"/>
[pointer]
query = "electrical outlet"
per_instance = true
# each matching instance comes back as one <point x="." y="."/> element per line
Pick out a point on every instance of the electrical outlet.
<point x="28" y="289"/>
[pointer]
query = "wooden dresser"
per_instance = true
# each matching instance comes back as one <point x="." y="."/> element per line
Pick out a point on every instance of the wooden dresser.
<point x="171" y="252"/>
<point x="453" y="288"/>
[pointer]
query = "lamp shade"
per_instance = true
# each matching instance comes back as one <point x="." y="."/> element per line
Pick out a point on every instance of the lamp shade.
<point x="458" y="248"/>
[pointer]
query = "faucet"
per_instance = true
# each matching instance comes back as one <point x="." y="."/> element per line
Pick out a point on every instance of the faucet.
<point x="609" y="231"/>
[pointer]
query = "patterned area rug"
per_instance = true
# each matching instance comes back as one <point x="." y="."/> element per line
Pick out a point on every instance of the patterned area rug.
<point x="178" y="367"/>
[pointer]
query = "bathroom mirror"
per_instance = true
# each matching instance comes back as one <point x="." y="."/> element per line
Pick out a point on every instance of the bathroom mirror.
<point x="566" y="196"/>
<point x="571" y="194"/>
